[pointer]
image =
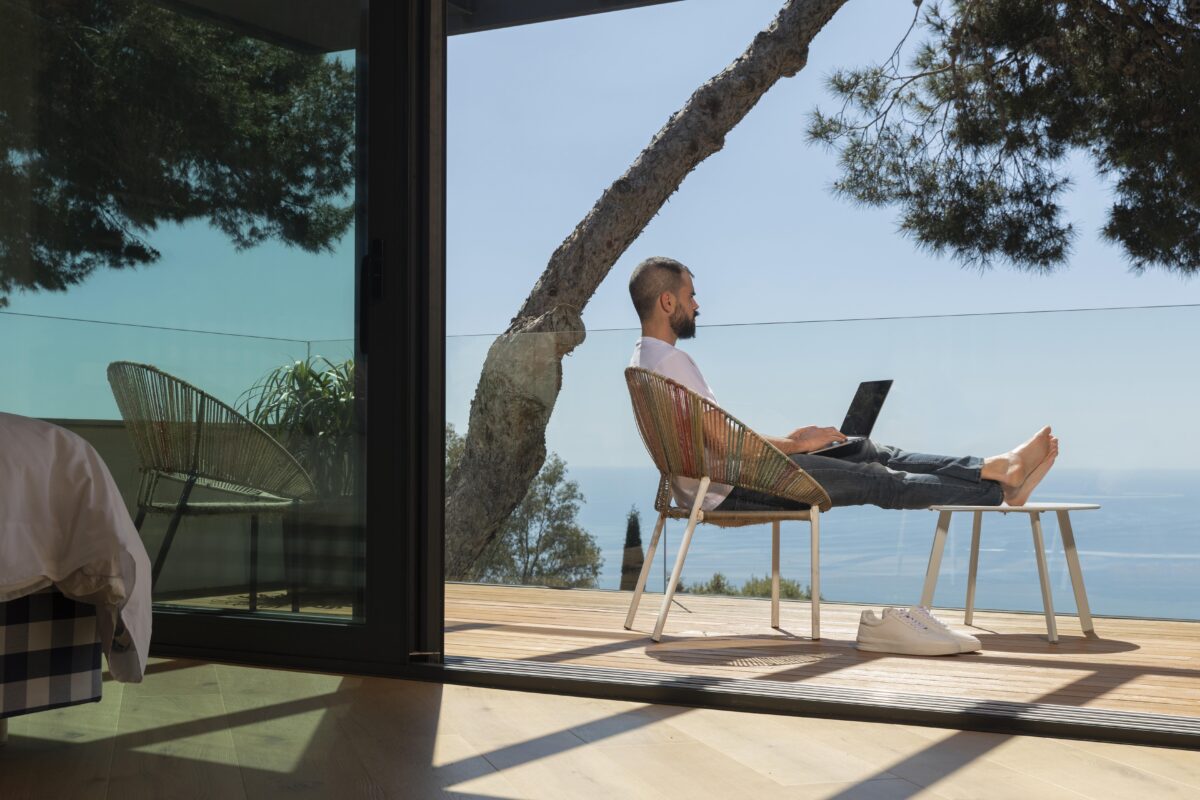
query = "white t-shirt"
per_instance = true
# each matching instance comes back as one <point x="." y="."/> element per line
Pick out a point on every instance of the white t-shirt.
<point x="671" y="362"/>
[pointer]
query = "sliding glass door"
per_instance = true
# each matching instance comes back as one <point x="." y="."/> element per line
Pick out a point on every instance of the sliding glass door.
<point x="202" y="259"/>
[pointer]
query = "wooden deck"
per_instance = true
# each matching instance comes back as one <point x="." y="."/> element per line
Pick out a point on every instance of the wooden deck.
<point x="1133" y="665"/>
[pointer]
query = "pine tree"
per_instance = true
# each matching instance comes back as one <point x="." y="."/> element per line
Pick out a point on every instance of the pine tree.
<point x="117" y="117"/>
<point x="970" y="139"/>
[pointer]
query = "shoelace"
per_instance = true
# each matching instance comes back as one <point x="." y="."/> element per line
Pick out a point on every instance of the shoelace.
<point x="911" y="621"/>
<point x="926" y="616"/>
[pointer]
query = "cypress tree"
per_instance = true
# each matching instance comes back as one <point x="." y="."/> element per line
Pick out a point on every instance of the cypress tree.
<point x="631" y="562"/>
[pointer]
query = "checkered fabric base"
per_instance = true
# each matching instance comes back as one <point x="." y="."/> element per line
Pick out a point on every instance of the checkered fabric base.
<point x="49" y="653"/>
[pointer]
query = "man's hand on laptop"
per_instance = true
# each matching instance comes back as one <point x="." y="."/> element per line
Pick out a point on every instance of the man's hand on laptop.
<point x="812" y="438"/>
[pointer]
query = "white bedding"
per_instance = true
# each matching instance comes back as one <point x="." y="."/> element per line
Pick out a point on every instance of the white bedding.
<point x="63" y="522"/>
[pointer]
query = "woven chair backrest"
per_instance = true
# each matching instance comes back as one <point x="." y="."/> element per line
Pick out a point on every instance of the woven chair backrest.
<point x="181" y="431"/>
<point x="688" y="436"/>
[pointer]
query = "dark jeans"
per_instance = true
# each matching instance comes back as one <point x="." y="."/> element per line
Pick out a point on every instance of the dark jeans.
<point x="884" y="476"/>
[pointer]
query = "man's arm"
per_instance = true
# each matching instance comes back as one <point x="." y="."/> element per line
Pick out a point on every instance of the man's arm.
<point x="807" y="439"/>
<point x="801" y="440"/>
<point x="682" y="369"/>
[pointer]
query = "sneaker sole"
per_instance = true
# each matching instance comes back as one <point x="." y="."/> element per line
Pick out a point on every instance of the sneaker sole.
<point x="967" y="647"/>
<point x="908" y="650"/>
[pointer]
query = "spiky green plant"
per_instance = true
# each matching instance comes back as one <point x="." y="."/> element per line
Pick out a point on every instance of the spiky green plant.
<point x="309" y="407"/>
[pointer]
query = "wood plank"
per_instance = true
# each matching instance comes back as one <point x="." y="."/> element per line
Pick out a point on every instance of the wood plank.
<point x="1134" y="665"/>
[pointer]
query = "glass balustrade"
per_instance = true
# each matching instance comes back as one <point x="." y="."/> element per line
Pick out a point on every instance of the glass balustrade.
<point x="1118" y="387"/>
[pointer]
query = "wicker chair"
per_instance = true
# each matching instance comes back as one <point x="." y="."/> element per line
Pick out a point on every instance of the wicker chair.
<point x="689" y="437"/>
<point x="184" y="435"/>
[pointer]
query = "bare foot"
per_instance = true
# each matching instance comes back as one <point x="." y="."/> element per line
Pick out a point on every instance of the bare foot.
<point x="1020" y="495"/>
<point x="1012" y="468"/>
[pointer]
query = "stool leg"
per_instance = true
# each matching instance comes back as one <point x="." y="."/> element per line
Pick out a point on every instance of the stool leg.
<point x="1035" y="521"/>
<point x="976" y="524"/>
<point x="645" y="574"/>
<point x="814" y="579"/>
<point x="1081" y="601"/>
<point x="775" y="574"/>
<point x="935" y="558"/>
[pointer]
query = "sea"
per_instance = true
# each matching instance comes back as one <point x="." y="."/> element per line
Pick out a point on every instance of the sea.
<point x="1140" y="551"/>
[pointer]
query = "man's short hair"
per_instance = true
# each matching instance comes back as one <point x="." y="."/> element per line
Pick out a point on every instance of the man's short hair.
<point x="650" y="279"/>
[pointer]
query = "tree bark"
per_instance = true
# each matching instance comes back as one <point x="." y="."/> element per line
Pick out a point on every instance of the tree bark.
<point x="521" y="378"/>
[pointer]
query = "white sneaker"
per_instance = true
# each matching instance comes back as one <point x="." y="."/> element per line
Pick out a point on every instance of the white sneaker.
<point x="897" y="631"/>
<point x="966" y="642"/>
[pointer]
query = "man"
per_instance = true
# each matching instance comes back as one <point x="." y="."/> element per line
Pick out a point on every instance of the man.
<point x="664" y="295"/>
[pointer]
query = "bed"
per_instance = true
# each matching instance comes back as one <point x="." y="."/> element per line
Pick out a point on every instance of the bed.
<point x="49" y="654"/>
<point x="74" y="575"/>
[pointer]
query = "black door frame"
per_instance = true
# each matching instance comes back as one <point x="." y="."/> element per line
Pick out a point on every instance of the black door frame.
<point x="400" y="289"/>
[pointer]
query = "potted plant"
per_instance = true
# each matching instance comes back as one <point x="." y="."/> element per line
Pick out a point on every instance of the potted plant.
<point x="309" y="407"/>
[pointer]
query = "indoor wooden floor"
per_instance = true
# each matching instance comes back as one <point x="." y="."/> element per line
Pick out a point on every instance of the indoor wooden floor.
<point x="201" y="730"/>
<point x="1133" y="665"/>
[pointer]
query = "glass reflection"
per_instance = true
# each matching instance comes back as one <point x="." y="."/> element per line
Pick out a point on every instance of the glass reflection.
<point x="176" y="263"/>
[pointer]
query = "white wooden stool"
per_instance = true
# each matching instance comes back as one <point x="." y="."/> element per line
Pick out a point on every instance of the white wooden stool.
<point x="1034" y="510"/>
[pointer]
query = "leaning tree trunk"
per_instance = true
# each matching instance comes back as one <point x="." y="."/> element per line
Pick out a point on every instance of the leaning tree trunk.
<point x="506" y="435"/>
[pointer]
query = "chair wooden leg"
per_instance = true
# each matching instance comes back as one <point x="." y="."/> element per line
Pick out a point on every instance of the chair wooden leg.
<point x="141" y="517"/>
<point x="647" y="563"/>
<point x="814" y="521"/>
<point x="775" y="574"/>
<point x="1039" y="551"/>
<point x="677" y="572"/>
<point x="254" y="562"/>
<point x="973" y="570"/>
<point x="1081" y="601"/>
<point x="935" y="558"/>
<point x="161" y="558"/>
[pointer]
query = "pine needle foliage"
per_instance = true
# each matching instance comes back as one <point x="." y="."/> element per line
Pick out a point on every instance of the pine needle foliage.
<point x="118" y="116"/>
<point x="968" y="132"/>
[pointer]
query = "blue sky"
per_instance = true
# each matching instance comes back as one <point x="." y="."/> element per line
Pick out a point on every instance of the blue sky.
<point x="541" y="119"/>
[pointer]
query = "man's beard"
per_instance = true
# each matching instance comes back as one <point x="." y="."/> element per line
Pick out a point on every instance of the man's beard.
<point x="684" y="327"/>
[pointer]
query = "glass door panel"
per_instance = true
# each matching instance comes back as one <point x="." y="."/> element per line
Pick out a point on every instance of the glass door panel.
<point x="182" y="212"/>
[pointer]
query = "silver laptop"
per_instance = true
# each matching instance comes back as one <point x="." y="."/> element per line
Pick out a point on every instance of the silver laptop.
<point x="860" y="419"/>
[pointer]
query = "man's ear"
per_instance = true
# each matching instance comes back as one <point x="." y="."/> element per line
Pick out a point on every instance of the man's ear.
<point x="666" y="301"/>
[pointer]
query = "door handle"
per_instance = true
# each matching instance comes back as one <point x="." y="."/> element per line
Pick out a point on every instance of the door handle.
<point x="370" y="289"/>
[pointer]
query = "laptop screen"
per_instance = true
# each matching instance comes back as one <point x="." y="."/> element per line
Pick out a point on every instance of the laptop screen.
<point x="864" y="409"/>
